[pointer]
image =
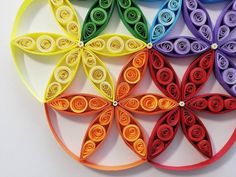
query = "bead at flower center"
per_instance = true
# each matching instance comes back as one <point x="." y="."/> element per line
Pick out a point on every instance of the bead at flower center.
<point x="81" y="44"/>
<point x="214" y="46"/>
<point x="149" y="45"/>
<point x="115" y="103"/>
<point x="181" y="103"/>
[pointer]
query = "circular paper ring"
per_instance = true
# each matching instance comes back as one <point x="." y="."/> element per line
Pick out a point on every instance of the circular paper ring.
<point x="86" y="162"/>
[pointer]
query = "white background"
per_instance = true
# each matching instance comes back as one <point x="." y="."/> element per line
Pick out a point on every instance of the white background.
<point x="27" y="147"/>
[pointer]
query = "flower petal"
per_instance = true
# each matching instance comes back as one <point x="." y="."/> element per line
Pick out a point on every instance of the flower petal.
<point x="63" y="75"/>
<point x="181" y="47"/>
<point x="198" y="20"/>
<point x="97" y="19"/>
<point x="226" y="22"/>
<point x="163" y="133"/>
<point x="66" y="17"/>
<point x="195" y="131"/>
<point x="214" y="103"/>
<point x="132" y="74"/>
<point x="165" y="19"/>
<point x="44" y="43"/>
<point x="148" y="104"/>
<point x="229" y="47"/>
<point x="133" y="18"/>
<point x="164" y="75"/>
<point x="131" y="132"/>
<point x="98" y="74"/>
<point x="79" y="104"/>
<point x="97" y="133"/>
<point x="225" y="72"/>
<point x="115" y="45"/>
<point x="197" y="74"/>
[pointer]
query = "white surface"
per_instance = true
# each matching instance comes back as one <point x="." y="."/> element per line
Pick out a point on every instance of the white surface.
<point x="27" y="145"/>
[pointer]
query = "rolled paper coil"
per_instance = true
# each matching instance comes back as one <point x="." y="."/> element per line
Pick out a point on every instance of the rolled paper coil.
<point x="98" y="16"/>
<point x="123" y="89"/>
<point x="166" y="17"/>
<point x="53" y="89"/>
<point x="165" y="132"/>
<point x="198" y="76"/>
<point x="149" y="103"/>
<point x="222" y="61"/>
<point x="229" y="76"/>
<point x="132" y="15"/>
<point x="223" y="32"/>
<point x="125" y="3"/>
<point x="182" y="46"/>
<point x="198" y="17"/>
<point x="165" y="76"/>
<point x="97" y="133"/>
<point x="230" y="19"/>
<point x="206" y="32"/>
<point x="97" y="104"/>
<point x="158" y="31"/>
<point x="131" y="132"/>
<point x="140" y="147"/>
<point x="64" y="43"/>
<point x="106" y="88"/>
<point x="229" y="47"/>
<point x="61" y="104"/>
<point x="132" y="75"/>
<point x="45" y="44"/>
<point x="98" y="74"/>
<point x="63" y="74"/>
<point x="188" y="119"/>
<point x="78" y="104"/>
<point x="26" y="42"/>
<point x="88" y="148"/>
<point x="124" y="119"/>
<point x="196" y="133"/>
<point x="192" y="4"/>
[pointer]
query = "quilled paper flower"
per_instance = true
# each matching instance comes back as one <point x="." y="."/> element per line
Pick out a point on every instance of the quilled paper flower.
<point x="133" y="18"/>
<point x="121" y="110"/>
<point x="184" y="115"/>
<point x="76" y="50"/>
<point x="220" y="38"/>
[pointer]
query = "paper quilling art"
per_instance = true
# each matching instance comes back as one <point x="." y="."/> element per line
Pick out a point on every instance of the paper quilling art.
<point x="147" y="48"/>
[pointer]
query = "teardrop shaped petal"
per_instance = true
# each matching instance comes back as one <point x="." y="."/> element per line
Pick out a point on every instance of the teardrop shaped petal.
<point x="226" y="22"/>
<point x="229" y="47"/>
<point x="198" y="20"/>
<point x="164" y="75"/>
<point x="115" y="45"/>
<point x="225" y="72"/>
<point x="44" y="43"/>
<point x="181" y="47"/>
<point x="63" y="75"/>
<point x="148" y="104"/>
<point x="97" y="133"/>
<point x="79" y="104"/>
<point x="195" y="131"/>
<point x="214" y="103"/>
<point x="132" y="74"/>
<point x="131" y="131"/>
<point x="165" y="19"/>
<point x="66" y="17"/>
<point x="97" y="19"/>
<point x="98" y="74"/>
<point x="133" y="18"/>
<point x="197" y="74"/>
<point x="163" y="133"/>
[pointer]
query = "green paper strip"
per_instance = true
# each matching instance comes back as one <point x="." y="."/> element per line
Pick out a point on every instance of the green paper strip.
<point x="97" y="19"/>
<point x="133" y="18"/>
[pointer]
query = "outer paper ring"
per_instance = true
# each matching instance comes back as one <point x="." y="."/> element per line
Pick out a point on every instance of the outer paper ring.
<point x="202" y="164"/>
<point x="85" y="162"/>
